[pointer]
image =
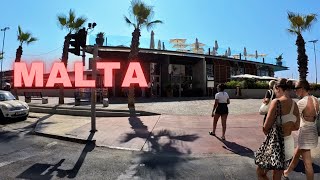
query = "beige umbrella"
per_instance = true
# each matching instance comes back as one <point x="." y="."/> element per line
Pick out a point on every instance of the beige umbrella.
<point x="229" y="51"/>
<point x="152" y="40"/>
<point x="159" y="45"/>
<point x="178" y="41"/>
<point x="245" y="52"/>
<point x="216" y="47"/>
<point x="214" y="52"/>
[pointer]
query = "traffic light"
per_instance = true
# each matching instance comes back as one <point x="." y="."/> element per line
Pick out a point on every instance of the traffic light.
<point x="75" y="44"/>
<point x="80" y="39"/>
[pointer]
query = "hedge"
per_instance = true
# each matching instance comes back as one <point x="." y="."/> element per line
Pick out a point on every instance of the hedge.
<point x="247" y="84"/>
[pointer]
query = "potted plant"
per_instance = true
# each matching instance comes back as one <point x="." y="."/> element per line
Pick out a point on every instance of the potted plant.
<point x="100" y="39"/>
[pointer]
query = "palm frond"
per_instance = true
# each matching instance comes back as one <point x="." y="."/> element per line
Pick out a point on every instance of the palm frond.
<point x="79" y="23"/>
<point x="293" y="31"/>
<point x="32" y="39"/>
<point x="309" y="21"/>
<point x="62" y="21"/>
<point x="150" y="25"/>
<point x="129" y="22"/>
<point x="72" y="16"/>
<point x="19" y="30"/>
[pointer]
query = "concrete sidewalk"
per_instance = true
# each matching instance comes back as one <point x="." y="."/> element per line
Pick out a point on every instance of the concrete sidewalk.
<point x="161" y="133"/>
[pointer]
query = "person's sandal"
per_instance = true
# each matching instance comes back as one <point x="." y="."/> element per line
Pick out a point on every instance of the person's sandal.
<point x="223" y="138"/>
<point x="211" y="133"/>
<point x="284" y="177"/>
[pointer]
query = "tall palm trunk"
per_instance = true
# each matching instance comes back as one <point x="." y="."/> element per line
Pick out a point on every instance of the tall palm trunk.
<point x="18" y="59"/>
<point x="64" y="59"/>
<point x="133" y="57"/>
<point x="302" y="58"/>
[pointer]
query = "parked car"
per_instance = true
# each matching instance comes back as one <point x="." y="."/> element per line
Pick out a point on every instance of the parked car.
<point x="12" y="108"/>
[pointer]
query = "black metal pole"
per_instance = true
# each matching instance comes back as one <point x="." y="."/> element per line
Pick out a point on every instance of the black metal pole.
<point x="4" y="36"/>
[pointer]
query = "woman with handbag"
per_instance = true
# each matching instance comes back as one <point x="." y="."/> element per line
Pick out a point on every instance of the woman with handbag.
<point x="220" y="109"/>
<point x="282" y="118"/>
<point x="308" y="133"/>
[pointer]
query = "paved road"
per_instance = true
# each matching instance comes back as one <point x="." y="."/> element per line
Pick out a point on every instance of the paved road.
<point x="26" y="156"/>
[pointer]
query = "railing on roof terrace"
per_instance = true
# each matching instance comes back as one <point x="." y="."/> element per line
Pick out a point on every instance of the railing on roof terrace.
<point x="124" y="41"/>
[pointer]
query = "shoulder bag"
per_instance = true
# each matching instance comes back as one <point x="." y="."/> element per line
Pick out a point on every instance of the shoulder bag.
<point x="271" y="155"/>
<point x="263" y="110"/>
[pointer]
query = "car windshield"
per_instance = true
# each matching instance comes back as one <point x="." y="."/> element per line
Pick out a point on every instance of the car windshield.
<point x="6" y="96"/>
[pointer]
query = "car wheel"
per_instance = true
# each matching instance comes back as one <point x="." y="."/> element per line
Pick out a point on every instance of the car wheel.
<point x="25" y="117"/>
<point x="2" y="118"/>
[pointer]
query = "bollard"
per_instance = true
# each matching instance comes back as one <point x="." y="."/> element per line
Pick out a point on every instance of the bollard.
<point x="105" y="102"/>
<point x="44" y="100"/>
<point x="77" y="102"/>
<point x="28" y="99"/>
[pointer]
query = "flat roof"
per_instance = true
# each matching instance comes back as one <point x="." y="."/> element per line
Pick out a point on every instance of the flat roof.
<point x="89" y="49"/>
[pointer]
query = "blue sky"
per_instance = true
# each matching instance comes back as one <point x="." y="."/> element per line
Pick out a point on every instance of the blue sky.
<point x="256" y="25"/>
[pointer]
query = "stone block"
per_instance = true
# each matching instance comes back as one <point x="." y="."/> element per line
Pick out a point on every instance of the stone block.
<point x="44" y="100"/>
<point x="105" y="102"/>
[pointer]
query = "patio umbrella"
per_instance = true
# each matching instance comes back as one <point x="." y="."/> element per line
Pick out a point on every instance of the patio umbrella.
<point x="245" y="76"/>
<point x="229" y="51"/>
<point x="163" y="48"/>
<point x="180" y="46"/>
<point x="197" y="44"/>
<point x="152" y="40"/>
<point x="216" y="47"/>
<point x="214" y="52"/>
<point x="226" y="53"/>
<point x="245" y="52"/>
<point x="178" y="41"/>
<point x="159" y="45"/>
<point x="256" y="54"/>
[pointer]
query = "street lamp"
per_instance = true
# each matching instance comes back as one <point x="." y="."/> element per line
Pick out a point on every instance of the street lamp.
<point x="315" y="57"/>
<point x="4" y="36"/>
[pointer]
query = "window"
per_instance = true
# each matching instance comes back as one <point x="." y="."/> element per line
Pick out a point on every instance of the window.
<point x="209" y="69"/>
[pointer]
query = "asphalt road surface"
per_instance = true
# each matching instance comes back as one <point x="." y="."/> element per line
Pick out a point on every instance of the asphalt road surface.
<point x="27" y="156"/>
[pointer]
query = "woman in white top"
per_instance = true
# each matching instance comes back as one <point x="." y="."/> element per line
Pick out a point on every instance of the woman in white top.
<point x="220" y="109"/>
<point x="290" y="122"/>
<point x="308" y="135"/>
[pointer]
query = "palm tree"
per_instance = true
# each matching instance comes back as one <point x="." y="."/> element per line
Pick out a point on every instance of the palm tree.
<point x="23" y="38"/>
<point x="298" y="24"/>
<point x="142" y="15"/>
<point x="71" y="24"/>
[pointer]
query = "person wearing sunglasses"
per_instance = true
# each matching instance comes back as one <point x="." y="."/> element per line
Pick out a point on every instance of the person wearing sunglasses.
<point x="308" y="135"/>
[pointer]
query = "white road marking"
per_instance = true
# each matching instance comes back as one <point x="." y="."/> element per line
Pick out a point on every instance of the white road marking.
<point x="17" y="159"/>
<point x="51" y="144"/>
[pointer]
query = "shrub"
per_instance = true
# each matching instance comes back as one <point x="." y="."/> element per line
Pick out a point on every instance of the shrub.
<point x="247" y="84"/>
<point x="232" y="84"/>
<point x="315" y="87"/>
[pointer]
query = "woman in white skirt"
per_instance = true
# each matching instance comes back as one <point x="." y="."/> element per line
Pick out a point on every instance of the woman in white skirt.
<point x="308" y="135"/>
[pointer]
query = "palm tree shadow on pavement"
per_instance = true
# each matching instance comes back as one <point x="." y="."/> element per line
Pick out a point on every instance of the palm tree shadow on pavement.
<point x="37" y="170"/>
<point x="166" y="149"/>
<point x="237" y="148"/>
<point x="300" y="167"/>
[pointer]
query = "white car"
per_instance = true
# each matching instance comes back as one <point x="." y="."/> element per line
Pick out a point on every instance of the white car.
<point x="12" y="108"/>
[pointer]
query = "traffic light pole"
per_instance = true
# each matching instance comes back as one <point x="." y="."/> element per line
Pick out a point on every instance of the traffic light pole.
<point x="93" y="90"/>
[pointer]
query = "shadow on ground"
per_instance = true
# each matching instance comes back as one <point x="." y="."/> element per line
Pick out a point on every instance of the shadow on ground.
<point x="300" y="167"/>
<point x="46" y="171"/>
<point x="237" y="148"/>
<point x="165" y="148"/>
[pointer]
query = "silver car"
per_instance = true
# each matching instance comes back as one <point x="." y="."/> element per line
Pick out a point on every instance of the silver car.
<point x="12" y="108"/>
